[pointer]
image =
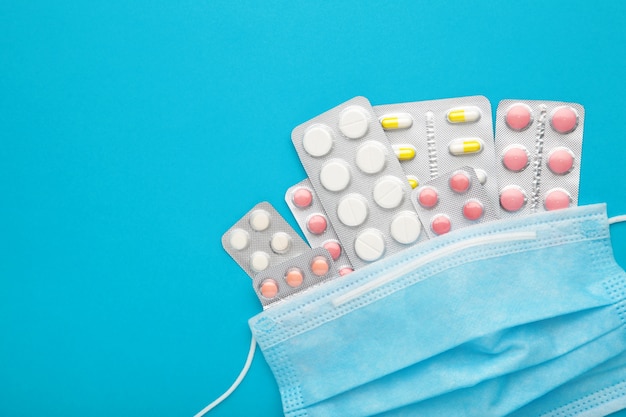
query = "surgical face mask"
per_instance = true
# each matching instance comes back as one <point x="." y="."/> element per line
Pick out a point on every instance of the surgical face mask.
<point x="524" y="316"/>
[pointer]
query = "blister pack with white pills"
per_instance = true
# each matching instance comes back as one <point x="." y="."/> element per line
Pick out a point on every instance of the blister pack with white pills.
<point x="453" y="200"/>
<point x="262" y="238"/>
<point x="539" y="145"/>
<point x="359" y="181"/>
<point x="313" y="221"/>
<point x="281" y="281"/>
<point x="436" y="136"/>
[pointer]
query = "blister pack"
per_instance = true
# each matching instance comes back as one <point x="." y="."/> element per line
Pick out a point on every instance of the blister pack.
<point x="262" y="238"/>
<point x="435" y="136"/>
<point x="359" y="181"/>
<point x="453" y="200"/>
<point x="539" y="145"/>
<point x="294" y="275"/>
<point x="313" y="221"/>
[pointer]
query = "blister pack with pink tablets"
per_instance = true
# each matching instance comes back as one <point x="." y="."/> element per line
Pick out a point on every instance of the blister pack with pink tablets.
<point x="314" y="223"/>
<point x="281" y="281"/>
<point x="453" y="200"/>
<point x="359" y="181"/>
<point x="261" y="239"/>
<point x="433" y="137"/>
<point x="539" y="145"/>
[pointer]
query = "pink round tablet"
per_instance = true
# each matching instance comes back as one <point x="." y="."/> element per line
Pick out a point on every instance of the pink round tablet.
<point x="473" y="210"/>
<point x="269" y="288"/>
<point x="557" y="199"/>
<point x="427" y="197"/>
<point x="302" y="198"/>
<point x="317" y="224"/>
<point x="334" y="248"/>
<point x="294" y="277"/>
<point x="564" y="119"/>
<point x="460" y="182"/>
<point x="515" y="158"/>
<point x="561" y="161"/>
<point x="345" y="271"/>
<point x="512" y="198"/>
<point x="440" y="224"/>
<point x="518" y="117"/>
<point x="319" y="266"/>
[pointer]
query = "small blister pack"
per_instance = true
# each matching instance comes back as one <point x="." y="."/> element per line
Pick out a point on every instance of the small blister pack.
<point x="294" y="275"/>
<point x="359" y="181"/>
<point x="539" y="148"/>
<point x="436" y="136"/>
<point x="261" y="239"/>
<point x="313" y="221"/>
<point x="453" y="200"/>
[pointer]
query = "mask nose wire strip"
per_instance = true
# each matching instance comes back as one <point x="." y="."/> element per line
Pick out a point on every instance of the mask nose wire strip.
<point x="617" y="219"/>
<point x="233" y="387"/>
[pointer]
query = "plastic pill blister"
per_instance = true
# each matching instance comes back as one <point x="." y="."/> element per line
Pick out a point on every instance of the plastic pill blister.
<point x="293" y="276"/>
<point x="436" y="136"/>
<point x="261" y="239"/>
<point x="359" y="181"/>
<point x="314" y="223"/>
<point x="539" y="148"/>
<point x="453" y="200"/>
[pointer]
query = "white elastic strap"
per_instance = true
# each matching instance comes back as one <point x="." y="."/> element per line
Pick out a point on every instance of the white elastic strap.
<point x="617" y="219"/>
<point x="233" y="387"/>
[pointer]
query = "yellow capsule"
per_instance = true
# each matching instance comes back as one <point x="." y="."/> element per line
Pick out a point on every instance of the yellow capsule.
<point x="465" y="146"/>
<point x="404" y="152"/>
<point x="468" y="114"/>
<point x="396" y="121"/>
<point x="413" y="182"/>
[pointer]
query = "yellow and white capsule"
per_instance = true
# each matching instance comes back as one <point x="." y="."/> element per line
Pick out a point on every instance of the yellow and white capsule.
<point x="469" y="114"/>
<point x="464" y="146"/>
<point x="395" y="121"/>
<point x="412" y="181"/>
<point x="404" y="152"/>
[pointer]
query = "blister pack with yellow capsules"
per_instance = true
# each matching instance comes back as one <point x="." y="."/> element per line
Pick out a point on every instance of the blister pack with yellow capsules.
<point x="436" y="136"/>
<point x="359" y="181"/>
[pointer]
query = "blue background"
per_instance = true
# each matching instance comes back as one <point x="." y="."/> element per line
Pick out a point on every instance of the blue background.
<point x="133" y="134"/>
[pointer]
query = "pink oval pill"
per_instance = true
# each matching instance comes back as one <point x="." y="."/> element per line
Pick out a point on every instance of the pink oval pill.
<point x="334" y="248"/>
<point x="269" y="288"/>
<point x="564" y="119"/>
<point x="515" y="158"/>
<point x="473" y="210"/>
<point x="518" y="117"/>
<point x="427" y="197"/>
<point x="460" y="182"/>
<point x="512" y="198"/>
<point x="557" y="199"/>
<point x="561" y="161"/>
<point x="317" y="224"/>
<point x="345" y="271"/>
<point x="440" y="224"/>
<point x="294" y="277"/>
<point x="302" y="198"/>
<point x="319" y="266"/>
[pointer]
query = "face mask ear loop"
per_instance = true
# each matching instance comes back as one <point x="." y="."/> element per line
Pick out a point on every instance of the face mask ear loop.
<point x="233" y="387"/>
<point x="617" y="219"/>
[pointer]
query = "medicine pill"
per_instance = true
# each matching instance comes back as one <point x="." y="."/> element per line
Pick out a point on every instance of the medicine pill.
<point x="370" y="157"/>
<point x="318" y="141"/>
<point x="556" y="199"/>
<point x="515" y="158"/>
<point x="354" y="122"/>
<point x="302" y="198"/>
<point x="561" y="161"/>
<point x="440" y="224"/>
<point x="404" y="151"/>
<point x="335" y="175"/>
<point x="281" y="242"/>
<point x="370" y="245"/>
<point x="388" y="192"/>
<point x="317" y="224"/>
<point x="334" y="248"/>
<point x="518" y="117"/>
<point x="406" y="227"/>
<point x="564" y="119"/>
<point x="473" y="210"/>
<point x="320" y="266"/>
<point x="468" y="114"/>
<point x="294" y="277"/>
<point x="259" y="261"/>
<point x="465" y="146"/>
<point x="239" y="239"/>
<point x="352" y="210"/>
<point x="396" y="121"/>
<point x="260" y="220"/>
<point x="460" y="182"/>
<point x="512" y="198"/>
<point x="269" y="288"/>
<point x="428" y="197"/>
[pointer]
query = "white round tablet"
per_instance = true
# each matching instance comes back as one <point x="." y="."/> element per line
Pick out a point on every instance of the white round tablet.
<point x="239" y="239"/>
<point x="354" y="122"/>
<point x="369" y="245"/>
<point x="335" y="175"/>
<point x="388" y="192"/>
<point x="482" y="175"/>
<point x="280" y="242"/>
<point x="259" y="261"/>
<point x="318" y="140"/>
<point x="352" y="210"/>
<point x="259" y="220"/>
<point x="371" y="157"/>
<point x="405" y="227"/>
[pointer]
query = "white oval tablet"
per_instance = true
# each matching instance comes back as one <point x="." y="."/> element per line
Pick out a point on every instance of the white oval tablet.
<point x="259" y="220"/>
<point x="369" y="245"/>
<point x="335" y="175"/>
<point x="354" y="122"/>
<point x="388" y="192"/>
<point x="482" y="175"/>
<point x="239" y="239"/>
<point x="318" y="140"/>
<point x="371" y="157"/>
<point x="352" y="210"/>
<point x="405" y="227"/>
<point x="280" y="242"/>
<point x="259" y="261"/>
